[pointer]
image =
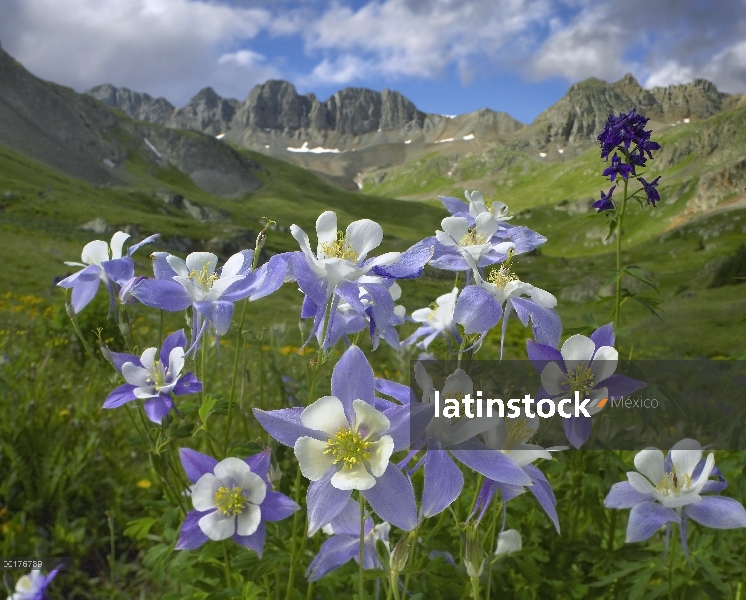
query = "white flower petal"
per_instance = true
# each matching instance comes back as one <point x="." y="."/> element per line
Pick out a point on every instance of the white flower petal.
<point x="231" y="471"/>
<point x="384" y="259"/>
<point x="178" y="265"/>
<point x="95" y="252"/>
<point x="203" y="492"/>
<point x="525" y="457"/>
<point x="486" y="225"/>
<point x="175" y="361"/>
<point x="552" y="378"/>
<point x="445" y="239"/>
<point x="147" y="358"/>
<point x="217" y="526"/>
<point x="117" y="241"/>
<point x="249" y="519"/>
<point x="363" y="236"/>
<point x="311" y="458"/>
<point x="458" y="383"/>
<point x="456" y="227"/>
<point x="395" y="291"/>
<point x="639" y="483"/>
<point x="368" y="420"/>
<point x="356" y="478"/>
<point x="380" y="453"/>
<point x="684" y="461"/>
<point x="198" y="261"/>
<point x="577" y="350"/>
<point x="650" y="463"/>
<point x="326" y="231"/>
<point x="232" y="266"/>
<point x="146" y="391"/>
<point x="678" y="500"/>
<point x="422" y="315"/>
<point x="476" y="202"/>
<point x="221" y="285"/>
<point x="305" y="245"/>
<point x="542" y="297"/>
<point x="196" y="292"/>
<point x="327" y="414"/>
<point x="604" y="363"/>
<point x="134" y="375"/>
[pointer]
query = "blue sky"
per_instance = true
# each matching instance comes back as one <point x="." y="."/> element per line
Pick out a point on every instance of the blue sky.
<point x="447" y="56"/>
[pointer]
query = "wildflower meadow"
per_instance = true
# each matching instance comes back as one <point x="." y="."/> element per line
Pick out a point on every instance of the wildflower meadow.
<point x="175" y="447"/>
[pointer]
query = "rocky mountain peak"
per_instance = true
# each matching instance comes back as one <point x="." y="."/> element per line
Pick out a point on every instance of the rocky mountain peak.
<point x="142" y="107"/>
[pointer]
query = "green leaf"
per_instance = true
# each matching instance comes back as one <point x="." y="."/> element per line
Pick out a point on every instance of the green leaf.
<point x="637" y="273"/>
<point x="139" y="528"/>
<point x="206" y="409"/>
<point x="648" y="302"/>
<point x="612" y="228"/>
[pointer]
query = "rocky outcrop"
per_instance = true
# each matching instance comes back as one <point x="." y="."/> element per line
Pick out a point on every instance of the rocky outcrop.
<point x="206" y="112"/>
<point x="579" y="116"/>
<point x="142" y="107"/>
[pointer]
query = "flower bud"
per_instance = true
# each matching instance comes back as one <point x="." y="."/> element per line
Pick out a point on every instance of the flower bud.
<point x="474" y="554"/>
<point x="260" y="239"/>
<point x="70" y="310"/>
<point x="107" y="353"/>
<point x="400" y="555"/>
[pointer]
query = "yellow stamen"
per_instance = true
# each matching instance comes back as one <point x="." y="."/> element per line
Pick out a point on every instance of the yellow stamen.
<point x="472" y="238"/>
<point x="349" y="447"/>
<point x="339" y="248"/>
<point x="580" y="380"/>
<point x="203" y="277"/>
<point x="230" y="502"/>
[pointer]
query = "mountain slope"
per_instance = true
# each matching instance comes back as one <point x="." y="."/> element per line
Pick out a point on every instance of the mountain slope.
<point x="85" y="139"/>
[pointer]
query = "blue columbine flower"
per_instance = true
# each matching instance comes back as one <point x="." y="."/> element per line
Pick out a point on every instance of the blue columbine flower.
<point x="480" y="306"/>
<point x="511" y="436"/>
<point x="585" y="365"/>
<point x="444" y="439"/>
<point x="343" y="442"/>
<point x="436" y="321"/>
<point x="344" y="543"/>
<point x="332" y="274"/>
<point x="605" y="203"/>
<point x="195" y="282"/>
<point x="154" y="379"/>
<point x="650" y="191"/>
<point x="102" y="262"/>
<point x="232" y="498"/>
<point x="671" y="490"/>
<point x="33" y="586"/>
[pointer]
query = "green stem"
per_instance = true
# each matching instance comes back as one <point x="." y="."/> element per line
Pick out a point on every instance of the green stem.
<point x="361" y="587"/>
<point x="233" y="378"/>
<point x="293" y="552"/>
<point x="612" y="528"/>
<point x="227" y="566"/>
<point x="475" y="588"/>
<point x="492" y="535"/>
<point x="618" y="296"/>
<point x="670" y="565"/>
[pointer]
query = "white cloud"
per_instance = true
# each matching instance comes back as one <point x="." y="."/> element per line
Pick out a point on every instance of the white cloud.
<point x="407" y="38"/>
<point x="670" y="73"/>
<point x="164" y="47"/>
<point x="590" y="46"/>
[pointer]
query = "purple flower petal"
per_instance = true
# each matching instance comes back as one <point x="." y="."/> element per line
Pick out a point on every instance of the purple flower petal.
<point x="161" y="269"/>
<point x="392" y="499"/>
<point x="542" y="490"/>
<point x="160" y="293"/>
<point x="121" y="395"/>
<point x="403" y="393"/>
<point x="131" y="250"/>
<point x="490" y="463"/>
<point x="285" y="425"/>
<point x="259" y="463"/>
<point x="187" y="384"/>
<point x="603" y="336"/>
<point x="623" y="495"/>
<point x="546" y="322"/>
<point x="196" y="464"/>
<point x="191" y="536"/>
<point x="157" y="408"/>
<point x="443" y="482"/>
<point x="718" y="512"/>
<point x="477" y="310"/>
<point x="646" y="518"/>
<point x="324" y="502"/>
<point x="334" y="552"/>
<point x="277" y="506"/>
<point x="454" y="205"/>
<point x="119" y="270"/>
<point x="176" y="339"/>
<point x="398" y="416"/>
<point x="352" y="379"/>
<point x="410" y="264"/>
<point x="621" y="385"/>
<point x="308" y="281"/>
<point x="119" y="358"/>
<point x="577" y="429"/>
<point x="83" y="292"/>
<point x="255" y="541"/>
